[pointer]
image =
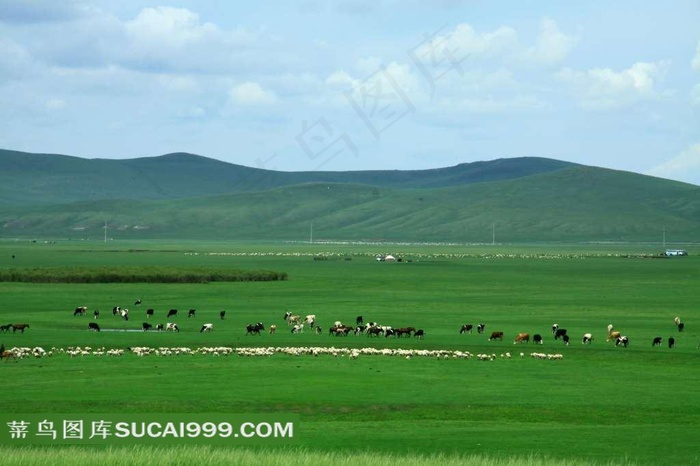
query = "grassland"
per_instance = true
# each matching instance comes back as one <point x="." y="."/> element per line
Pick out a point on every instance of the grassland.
<point x="599" y="405"/>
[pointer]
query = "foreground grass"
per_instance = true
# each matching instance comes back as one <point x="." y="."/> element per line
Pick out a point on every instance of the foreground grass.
<point x="206" y="456"/>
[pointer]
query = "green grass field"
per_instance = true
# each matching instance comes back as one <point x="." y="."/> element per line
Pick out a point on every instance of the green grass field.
<point x="598" y="405"/>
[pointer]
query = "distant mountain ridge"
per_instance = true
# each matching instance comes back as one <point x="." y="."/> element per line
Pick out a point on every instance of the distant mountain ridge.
<point x="49" y="178"/>
<point x="184" y="196"/>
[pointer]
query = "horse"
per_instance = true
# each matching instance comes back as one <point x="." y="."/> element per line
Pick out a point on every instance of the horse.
<point x="21" y="327"/>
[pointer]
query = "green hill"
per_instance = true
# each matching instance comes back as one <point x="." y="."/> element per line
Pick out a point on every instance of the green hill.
<point x="523" y="200"/>
<point x="27" y="179"/>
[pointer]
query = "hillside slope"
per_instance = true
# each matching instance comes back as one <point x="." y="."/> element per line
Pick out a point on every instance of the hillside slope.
<point x="573" y="204"/>
<point x="28" y="179"/>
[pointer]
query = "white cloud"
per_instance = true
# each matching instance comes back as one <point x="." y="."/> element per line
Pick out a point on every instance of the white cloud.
<point x="465" y="42"/>
<point x="552" y="46"/>
<point x="683" y="167"/>
<point x="605" y="88"/>
<point x="169" y="27"/>
<point x="695" y="95"/>
<point x="56" y="104"/>
<point x="251" y="93"/>
<point x="696" y="60"/>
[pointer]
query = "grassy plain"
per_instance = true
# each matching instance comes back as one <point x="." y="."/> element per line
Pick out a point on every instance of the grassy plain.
<point x="600" y="404"/>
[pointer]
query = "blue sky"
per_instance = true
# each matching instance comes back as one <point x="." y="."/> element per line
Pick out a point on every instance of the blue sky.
<point x="356" y="84"/>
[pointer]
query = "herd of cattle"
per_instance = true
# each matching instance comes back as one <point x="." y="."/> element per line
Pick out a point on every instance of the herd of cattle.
<point x="297" y="324"/>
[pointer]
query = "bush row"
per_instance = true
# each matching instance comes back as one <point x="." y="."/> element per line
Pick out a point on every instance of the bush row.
<point x="136" y="275"/>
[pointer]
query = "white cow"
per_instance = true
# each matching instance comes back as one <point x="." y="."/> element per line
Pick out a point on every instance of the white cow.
<point x="207" y="328"/>
<point x="171" y="327"/>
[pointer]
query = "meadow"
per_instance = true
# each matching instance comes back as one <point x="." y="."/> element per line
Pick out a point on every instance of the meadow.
<point x="600" y="404"/>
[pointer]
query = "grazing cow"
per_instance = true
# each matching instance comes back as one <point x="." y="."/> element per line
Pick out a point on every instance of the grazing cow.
<point x="522" y="337"/>
<point x="610" y="329"/>
<point x="138" y="302"/>
<point x="537" y="339"/>
<point x="5" y="328"/>
<point x="222" y="314"/>
<point x="676" y="320"/>
<point x="558" y="333"/>
<point x="207" y="328"/>
<point x="21" y="327"/>
<point x="149" y="313"/>
<point x="622" y="340"/>
<point x="657" y="341"/>
<point x="565" y="337"/>
<point x="496" y="336"/>
<point x="96" y="314"/>
<point x="587" y="338"/>
<point x="171" y="313"/>
<point x="115" y="310"/>
<point x="671" y="342"/>
<point x="310" y="319"/>
<point x="80" y="311"/>
<point x="554" y="328"/>
<point x="172" y="327"/>
<point x="420" y="333"/>
<point x="124" y="313"/>
<point x="359" y="320"/>
<point x="404" y="331"/>
<point x="480" y="328"/>
<point x="298" y="328"/>
<point x="273" y="329"/>
<point x="374" y="331"/>
<point x="319" y="330"/>
<point x="93" y="326"/>
<point x="681" y="326"/>
<point x="614" y="335"/>
<point x="191" y="313"/>
<point x="254" y="329"/>
<point x="466" y="328"/>
<point x="146" y="326"/>
<point x="159" y="327"/>
<point x="338" y="330"/>
<point x="291" y="319"/>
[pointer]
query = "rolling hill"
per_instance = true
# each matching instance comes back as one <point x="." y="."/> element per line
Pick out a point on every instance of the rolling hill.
<point x="524" y="199"/>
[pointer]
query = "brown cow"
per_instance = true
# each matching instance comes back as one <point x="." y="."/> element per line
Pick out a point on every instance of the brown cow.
<point x="496" y="336"/>
<point x="613" y="335"/>
<point x="522" y="337"/>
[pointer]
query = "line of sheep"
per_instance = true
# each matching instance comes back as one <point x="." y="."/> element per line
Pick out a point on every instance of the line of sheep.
<point x="351" y="353"/>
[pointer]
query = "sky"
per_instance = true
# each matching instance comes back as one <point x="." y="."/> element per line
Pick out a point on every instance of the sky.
<point x="356" y="84"/>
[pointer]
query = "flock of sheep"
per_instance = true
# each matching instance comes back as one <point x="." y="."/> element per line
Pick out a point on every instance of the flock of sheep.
<point x="351" y="353"/>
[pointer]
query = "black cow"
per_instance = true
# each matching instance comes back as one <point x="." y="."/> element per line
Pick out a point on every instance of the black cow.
<point x="160" y="327"/>
<point x="96" y="314"/>
<point x="191" y="313"/>
<point x="80" y="311"/>
<point x="671" y="342"/>
<point x="537" y="339"/>
<point x="420" y="333"/>
<point x="146" y="326"/>
<point x="254" y="329"/>
<point x="149" y="313"/>
<point x="565" y="337"/>
<point x="657" y="341"/>
<point x="681" y="326"/>
<point x="480" y="328"/>
<point x="93" y="326"/>
<point x="171" y="312"/>
<point x="466" y="328"/>
<point x="222" y="314"/>
<point x="560" y="332"/>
